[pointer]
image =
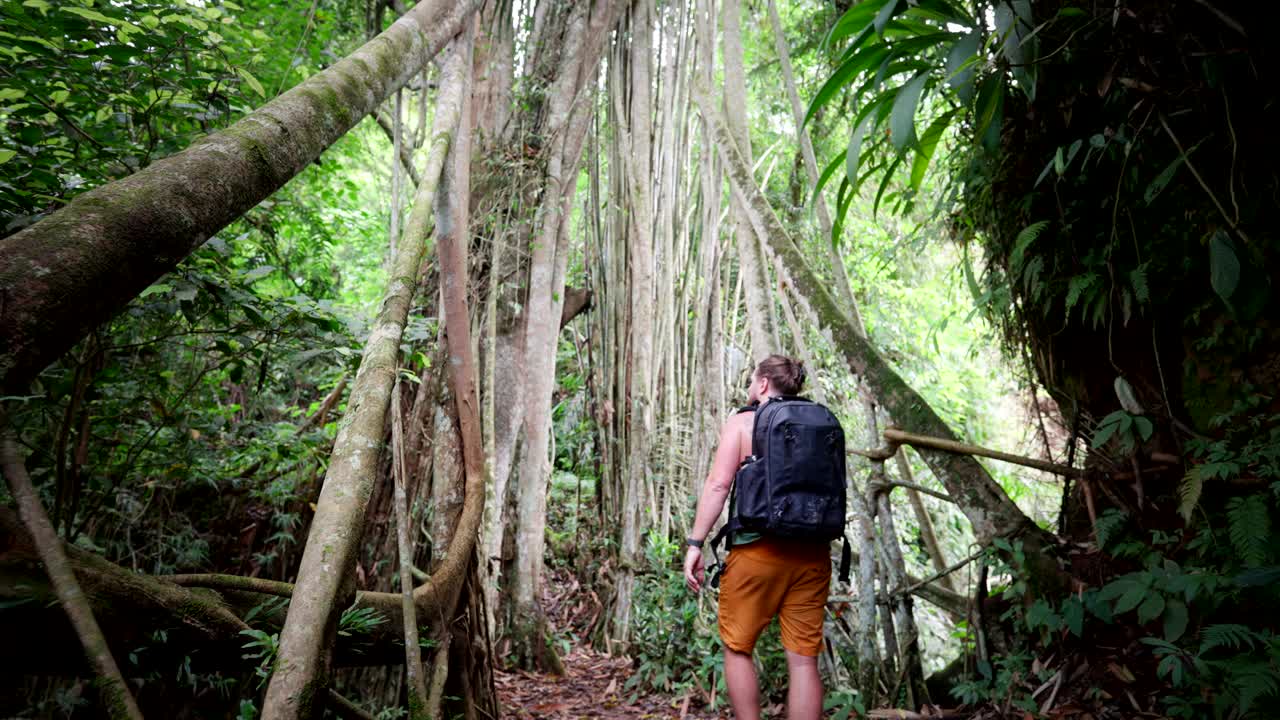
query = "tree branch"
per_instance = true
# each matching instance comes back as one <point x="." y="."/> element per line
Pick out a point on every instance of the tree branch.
<point x="114" y="692"/>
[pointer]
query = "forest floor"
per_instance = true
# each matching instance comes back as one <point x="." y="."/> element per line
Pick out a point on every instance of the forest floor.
<point x="595" y="683"/>
<point x="593" y="686"/>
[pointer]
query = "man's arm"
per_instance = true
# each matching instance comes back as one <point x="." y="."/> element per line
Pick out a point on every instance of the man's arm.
<point x="714" y="493"/>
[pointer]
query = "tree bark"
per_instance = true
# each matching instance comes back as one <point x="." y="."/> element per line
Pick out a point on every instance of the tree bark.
<point x="111" y="243"/>
<point x="417" y="690"/>
<point x="324" y="584"/>
<point x="569" y="107"/>
<point x="635" y="132"/>
<point x="925" y="521"/>
<point x="756" y="287"/>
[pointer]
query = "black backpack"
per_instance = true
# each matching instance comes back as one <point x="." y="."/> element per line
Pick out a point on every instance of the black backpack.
<point x="793" y="483"/>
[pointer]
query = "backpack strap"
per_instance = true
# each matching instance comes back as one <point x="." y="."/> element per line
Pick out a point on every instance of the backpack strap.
<point x="725" y="536"/>
<point x="846" y="559"/>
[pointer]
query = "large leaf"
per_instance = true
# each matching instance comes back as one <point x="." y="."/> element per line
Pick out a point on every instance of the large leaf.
<point x="891" y="8"/>
<point x="1175" y="620"/>
<point x="941" y="11"/>
<point x="988" y="108"/>
<point x="854" y="20"/>
<point x="1224" y="266"/>
<point x="870" y="116"/>
<point x="961" y="65"/>
<point x="854" y="153"/>
<point x="884" y="183"/>
<point x="902" y="120"/>
<point x="827" y="172"/>
<point x="1161" y="180"/>
<point x="928" y="144"/>
<point x="860" y="62"/>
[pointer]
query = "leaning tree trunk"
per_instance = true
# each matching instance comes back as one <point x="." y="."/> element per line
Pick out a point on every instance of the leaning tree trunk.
<point x="325" y="583"/>
<point x="111" y="243"/>
<point x="979" y="497"/>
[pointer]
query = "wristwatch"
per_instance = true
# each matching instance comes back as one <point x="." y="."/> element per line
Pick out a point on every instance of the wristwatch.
<point x="693" y="543"/>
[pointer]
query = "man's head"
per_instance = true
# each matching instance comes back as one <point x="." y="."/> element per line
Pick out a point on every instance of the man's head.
<point x="775" y="375"/>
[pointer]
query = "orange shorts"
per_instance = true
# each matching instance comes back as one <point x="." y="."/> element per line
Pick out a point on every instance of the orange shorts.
<point x="769" y="577"/>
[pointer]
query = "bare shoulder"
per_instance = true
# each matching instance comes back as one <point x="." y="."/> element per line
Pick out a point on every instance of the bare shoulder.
<point x="739" y="426"/>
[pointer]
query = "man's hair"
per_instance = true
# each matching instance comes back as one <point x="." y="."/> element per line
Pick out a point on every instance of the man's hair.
<point x="785" y="374"/>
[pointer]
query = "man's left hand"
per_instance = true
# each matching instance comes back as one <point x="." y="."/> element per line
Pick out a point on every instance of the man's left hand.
<point x="693" y="571"/>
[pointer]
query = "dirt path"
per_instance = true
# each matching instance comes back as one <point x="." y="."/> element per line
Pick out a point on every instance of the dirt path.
<point x="594" y="686"/>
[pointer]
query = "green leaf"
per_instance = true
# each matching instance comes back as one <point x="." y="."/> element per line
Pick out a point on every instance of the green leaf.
<point x="93" y="15"/>
<point x="855" y="19"/>
<point x="863" y="60"/>
<point x="988" y="105"/>
<point x="253" y="81"/>
<point x="1227" y="635"/>
<point x="1249" y="528"/>
<point x="884" y="184"/>
<point x="961" y="65"/>
<point x="928" y="144"/>
<point x="156" y="288"/>
<point x="1224" y="266"/>
<point x="1189" y="493"/>
<point x="854" y="153"/>
<point x="828" y="171"/>
<point x="886" y="14"/>
<point x="6" y="155"/>
<point x="1138" y="279"/>
<point x="1151" y="608"/>
<point x="1175" y="620"/>
<point x="902" y="119"/>
<point x="1023" y="241"/>
<point x="1134" y="595"/>
<point x="1077" y="286"/>
<point x="1161" y="180"/>
<point x="40" y="5"/>
<point x="1144" y="426"/>
<point x="1073" y="616"/>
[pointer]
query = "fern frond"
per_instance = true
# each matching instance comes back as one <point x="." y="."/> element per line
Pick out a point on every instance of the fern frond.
<point x="1138" y="279"/>
<point x="1253" y="681"/>
<point x="1023" y="241"/>
<point x="1189" y="492"/>
<point x="1111" y="522"/>
<point x="1249" y="527"/>
<point x="1227" y="635"/>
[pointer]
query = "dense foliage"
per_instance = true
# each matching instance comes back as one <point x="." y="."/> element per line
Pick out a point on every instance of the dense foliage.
<point x="1110" y="172"/>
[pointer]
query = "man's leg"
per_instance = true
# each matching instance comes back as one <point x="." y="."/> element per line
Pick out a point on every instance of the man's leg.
<point x="744" y="692"/>
<point x="804" y="694"/>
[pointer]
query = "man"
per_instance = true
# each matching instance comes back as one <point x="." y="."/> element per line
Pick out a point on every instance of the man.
<point x="764" y="576"/>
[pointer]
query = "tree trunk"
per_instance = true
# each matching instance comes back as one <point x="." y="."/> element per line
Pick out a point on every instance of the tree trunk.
<point x="634" y="130"/>
<point x="111" y="243"/>
<point x="760" y="325"/>
<point x="568" y="109"/>
<point x="325" y="578"/>
<point x="925" y="521"/>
